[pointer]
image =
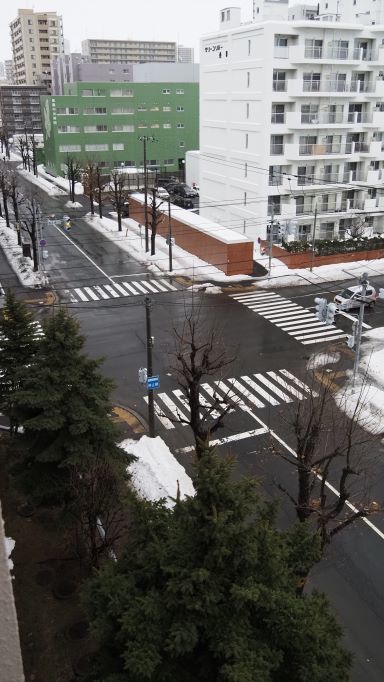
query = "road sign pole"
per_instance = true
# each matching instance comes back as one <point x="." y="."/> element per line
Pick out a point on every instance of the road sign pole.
<point x="151" y="406"/>
<point x="364" y="284"/>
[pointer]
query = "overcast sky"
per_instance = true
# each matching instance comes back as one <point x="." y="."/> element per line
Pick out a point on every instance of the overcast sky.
<point x="183" y="21"/>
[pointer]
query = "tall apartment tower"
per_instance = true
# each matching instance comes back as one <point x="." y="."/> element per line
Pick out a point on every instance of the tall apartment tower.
<point x="292" y="120"/>
<point x="36" y="38"/>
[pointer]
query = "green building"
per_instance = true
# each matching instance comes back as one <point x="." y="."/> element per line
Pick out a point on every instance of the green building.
<point x="104" y="121"/>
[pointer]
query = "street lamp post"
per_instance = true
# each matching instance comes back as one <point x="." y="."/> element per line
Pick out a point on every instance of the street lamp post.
<point x="145" y="139"/>
<point x="364" y="283"/>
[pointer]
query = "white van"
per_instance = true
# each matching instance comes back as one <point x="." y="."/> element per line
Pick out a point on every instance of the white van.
<point x="351" y="297"/>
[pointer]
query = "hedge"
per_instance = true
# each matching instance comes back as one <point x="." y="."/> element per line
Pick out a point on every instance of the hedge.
<point x="326" y="247"/>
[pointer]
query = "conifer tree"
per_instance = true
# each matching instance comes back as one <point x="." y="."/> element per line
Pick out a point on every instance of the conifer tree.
<point x="18" y="346"/>
<point x="208" y="591"/>
<point x="65" y="405"/>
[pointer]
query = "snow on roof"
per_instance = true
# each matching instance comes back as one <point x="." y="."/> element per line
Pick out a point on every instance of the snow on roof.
<point x="215" y="230"/>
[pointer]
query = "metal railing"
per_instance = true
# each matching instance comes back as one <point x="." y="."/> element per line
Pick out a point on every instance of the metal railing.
<point x="342" y="53"/>
<point x="322" y="149"/>
<point x="277" y="117"/>
<point x="279" y="86"/>
<point x="277" y="149"/>
<point x="326" y="85"/>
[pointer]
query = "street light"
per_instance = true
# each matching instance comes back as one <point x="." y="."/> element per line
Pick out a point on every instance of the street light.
<point x="364" y="283"/>
<point x="145" y="139"/>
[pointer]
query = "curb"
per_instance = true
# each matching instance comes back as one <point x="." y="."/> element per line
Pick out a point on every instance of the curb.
<point x="129" y="416"/>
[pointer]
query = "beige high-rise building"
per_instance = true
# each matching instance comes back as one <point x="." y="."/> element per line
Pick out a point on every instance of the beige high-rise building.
<point x="36" y="38"/>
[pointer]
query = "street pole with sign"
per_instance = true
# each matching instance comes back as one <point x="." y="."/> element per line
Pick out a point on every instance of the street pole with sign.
<point x="364" y="284"/>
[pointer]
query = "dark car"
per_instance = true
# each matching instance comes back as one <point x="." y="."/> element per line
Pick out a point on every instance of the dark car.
<point x="183" y="202"/>
<point x="184" y="190"/>
<point x="170" y="187"/>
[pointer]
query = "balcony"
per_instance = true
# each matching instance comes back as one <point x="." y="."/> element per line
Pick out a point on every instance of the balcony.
<point x="301" y="53"/>
<point x="279" y="86"/>
<point x="281" y="52"/>
<point x="276" y="149"/>
<point x="278" y="117"/>
<point x="337" y="86"/>
<point x="325" y="149"/>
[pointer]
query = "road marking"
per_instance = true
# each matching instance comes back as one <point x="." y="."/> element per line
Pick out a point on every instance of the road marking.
<point x="91" y="293"/>
<point x="81" y="295"/>
<point x="227" y="439"/>
<point x="83" y="253"/>
<point x="354" y="319"/>
<point x="101" y="292"/>
<point x="117" y="290"/>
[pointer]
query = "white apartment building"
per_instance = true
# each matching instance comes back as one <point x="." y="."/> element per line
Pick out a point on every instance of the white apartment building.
<point x="101" y="51"/>
<point x="36" y="38"/>
<point x="292" y="121"/>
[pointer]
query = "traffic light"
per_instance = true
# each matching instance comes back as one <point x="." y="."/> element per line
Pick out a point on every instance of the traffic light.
<point x="330" y="313"/>
<point x="321" y="309"/>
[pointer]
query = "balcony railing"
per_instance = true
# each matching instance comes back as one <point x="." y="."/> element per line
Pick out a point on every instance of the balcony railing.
<point x="322" y="149"/>
<point x="340" y="53"/>
<point x="277" y="117"/>
<point x="279" y="86"/>
<point x="281" y="52"/>
<point x="277" y="149"/>
<point x="326" y="85"/>
<point x="323" y="117"/>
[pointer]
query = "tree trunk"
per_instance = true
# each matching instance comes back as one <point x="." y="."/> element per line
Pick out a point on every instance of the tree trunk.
<point x="91" y="200"/>
<point x="100" y="207"/>
<point x="6" y="212"/>
<point x="34" y="248"/>
<point x="1" y="210"/>
<point x="304" y="494"/>
<point x="119" y="223"/>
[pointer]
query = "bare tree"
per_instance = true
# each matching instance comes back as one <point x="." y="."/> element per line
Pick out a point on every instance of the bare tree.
<point x="90" y="182"/>
<point x="156" y="218"/>
<point x="17" y="199"/>
<point x="330" y="446"/>
<point x="97" y="507"/>
<point x="23" y="150"/>
<point x="29" y="223"/>
<point x="5" y="191"/>
<point x="32" y="149"/>
<point x="99" y="189"/>
<point x="199" y="354"/>
<point x="119" y="195"/>
<point x="4" y="141"/>
<point x="73" y="174"/>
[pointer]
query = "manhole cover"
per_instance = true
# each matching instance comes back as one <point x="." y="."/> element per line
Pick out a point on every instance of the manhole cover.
<point x="26" y="510"/>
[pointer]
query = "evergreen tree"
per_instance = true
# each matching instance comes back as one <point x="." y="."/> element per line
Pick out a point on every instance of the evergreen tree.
<point x="18" y="346"/>
<point x="208" y="592"/>
<point x="66" y="406"/>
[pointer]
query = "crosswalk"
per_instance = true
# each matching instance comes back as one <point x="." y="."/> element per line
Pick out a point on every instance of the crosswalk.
<point x="246" y="393"/>
<point x="297" y="321"/>
<point x="119" y="289"/>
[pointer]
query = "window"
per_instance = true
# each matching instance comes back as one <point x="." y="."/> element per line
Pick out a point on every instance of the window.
<point x="167" y="125"/>
<point x="123" y="128"/>
<point x="249" y="47"/>
<point x="166" y="91"/>
<point x="180" y="91"/>
<point x="275" y="175"/>
<point x="96" y="129"/>
<point x="169" y="162"/>
<point x="245" y="198"/>
<point x="96" y="147"/>
<point x="278" y="113"/>
<point x="167" y="109"/>
<point x="70" y="148"/>
<point x="305" y="175"/>
<point x="279" y="83"/>
<point x="68" y="129"/>
<point x="181" y="144"/>
<point x="246" y="140"/>
<point x="95" y="110"/>
<point x="66" y="111"/>
<point x="179" y="108"/>
<point x="122" y="110"/>
<point x="93" y="93"/>
<point x="155" y="125"/>
<point x="245" y="169"/>
<point x="142" y="107"/>
<point x="274" y="205"/>
<point x="277" y="144"/>
<point x="309" y="113"/>
<point x="313" y="48"/>
<point x="117" y="146"/>
<point x="247" y="110"/>
<point x="180" y="125"/>
<point x="155" y="108"/>
<point x="248" y="78"/>
<point x="121" y="92"/>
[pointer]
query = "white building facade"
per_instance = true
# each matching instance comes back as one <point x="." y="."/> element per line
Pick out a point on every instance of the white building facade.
<point x="292" y="123"/>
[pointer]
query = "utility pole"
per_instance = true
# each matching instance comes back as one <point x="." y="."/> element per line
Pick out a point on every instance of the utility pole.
<point x="170" y="235"/>
<point x="145" y="139"/>
<point x="364" y="284"/>
<point x="151" y="406"/>
<point x="270" y="243"/>
<point x="313" y="239"/>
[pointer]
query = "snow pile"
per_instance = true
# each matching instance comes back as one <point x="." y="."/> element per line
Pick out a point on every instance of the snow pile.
<point x="156" y="474"/>
<point x="9" y="547"/>
<point x="132" y="240"/>
<point x="322" y="359"/>
<point x="22" y="265"/>
<point x="59" y="181"/>
<point x="365" y="400"/>
<point x="45" y="185"/>
<point x="73" y="204"/>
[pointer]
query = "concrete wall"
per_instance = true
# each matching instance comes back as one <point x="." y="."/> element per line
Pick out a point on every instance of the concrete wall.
<point x="192" y="168"/>
<point x="234" y="258"/>
<point x="151" y="72"/>
<point x="10" y="654"/>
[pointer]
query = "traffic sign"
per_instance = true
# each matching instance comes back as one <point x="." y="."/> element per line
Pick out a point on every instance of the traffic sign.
<point x="43" y="242"/>
<point x="153" y="382"/>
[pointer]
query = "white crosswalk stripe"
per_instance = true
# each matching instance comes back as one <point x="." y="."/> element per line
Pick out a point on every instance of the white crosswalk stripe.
<point x="102" y="292"/>
<point x="241" y="393"/>
<point x="299" y="322"/>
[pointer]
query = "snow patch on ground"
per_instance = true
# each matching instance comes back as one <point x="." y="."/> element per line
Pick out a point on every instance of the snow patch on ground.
<point x="9" y="547"/>
<point x="322" y="359"/>
<point x="73" y="204"/>
<point x="132" y="240"/>
<point x="45" y="185"/>
<point x="207" y="287"/>
<point x="367" y="396"/>
<point x="59" y="181"/>
<point x="156" y="473"/>
<point x="22" y="265"/>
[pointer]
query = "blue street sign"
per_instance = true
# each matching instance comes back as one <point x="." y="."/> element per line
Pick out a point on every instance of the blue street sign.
<point x="42" y="242"/>
<point x="153" y="382"/>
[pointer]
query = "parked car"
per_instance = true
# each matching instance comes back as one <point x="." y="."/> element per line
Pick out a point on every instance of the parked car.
<point x="185" y="191"/>
<point x="162" y="193"/>
<point x="170" y="186"/>
<point x="183" y="202"/>
<point x="166" y="181"/>
<point x="351" y="297"/>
